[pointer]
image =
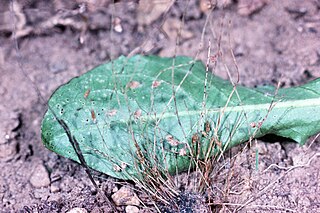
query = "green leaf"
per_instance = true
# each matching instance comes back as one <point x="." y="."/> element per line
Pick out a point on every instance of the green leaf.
<point x="124" y="115"/>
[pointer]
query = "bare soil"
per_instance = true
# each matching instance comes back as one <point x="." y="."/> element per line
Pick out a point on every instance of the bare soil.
<point x="272" y="41"/>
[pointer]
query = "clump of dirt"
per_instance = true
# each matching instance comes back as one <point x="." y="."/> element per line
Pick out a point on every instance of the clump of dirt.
<point x="271" y="40"/>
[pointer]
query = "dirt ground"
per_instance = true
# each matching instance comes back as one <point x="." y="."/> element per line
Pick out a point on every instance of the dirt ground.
<point x="272" y="41"/>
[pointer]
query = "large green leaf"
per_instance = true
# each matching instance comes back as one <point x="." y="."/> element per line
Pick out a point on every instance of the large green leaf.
<point x="123" y="114"/>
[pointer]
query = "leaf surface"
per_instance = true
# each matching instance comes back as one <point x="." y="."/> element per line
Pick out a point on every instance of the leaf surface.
<point x="151" y="109"/>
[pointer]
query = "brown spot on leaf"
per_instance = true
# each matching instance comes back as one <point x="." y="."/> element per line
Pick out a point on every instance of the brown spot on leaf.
<point x="253" y="124"/>
<point x="112" y="112"/>
<point x="182" y="152"/>
<point x="172" y="141"/>
<point x="116" y="168"/>
<point x="137" y="114"/>
<point x="86" y="94"/>
<point x="133" y="84"/>
<point x="93" y="116"/>
<point x="155" y="84"/>
<point x="123" y="165"/>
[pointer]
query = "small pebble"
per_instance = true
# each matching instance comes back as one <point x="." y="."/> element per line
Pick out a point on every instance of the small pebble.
<point x="132" y="209"/>
<point x="54" y="188"/>
<point x="125" y="196"/>
<point x="40" y="177"/>
<point x="77" y="210"/>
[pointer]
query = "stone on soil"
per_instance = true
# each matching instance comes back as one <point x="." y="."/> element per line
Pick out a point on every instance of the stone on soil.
<point x="132" y="209"/>
<point x="40" y="177"/>
<point x="77" y="210"/>
<point x="125" y="196"/>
